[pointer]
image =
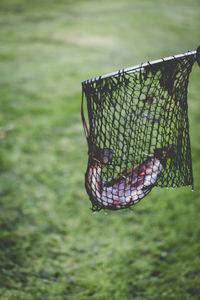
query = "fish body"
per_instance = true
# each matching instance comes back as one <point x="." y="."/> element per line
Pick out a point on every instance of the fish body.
<point x="126" y="189"/>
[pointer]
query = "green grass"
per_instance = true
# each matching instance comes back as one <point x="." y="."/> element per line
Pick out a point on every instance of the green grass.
<point x="51" y="245"/>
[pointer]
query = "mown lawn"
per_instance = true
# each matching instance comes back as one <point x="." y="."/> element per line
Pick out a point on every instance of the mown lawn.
<point x="51" y="245"/>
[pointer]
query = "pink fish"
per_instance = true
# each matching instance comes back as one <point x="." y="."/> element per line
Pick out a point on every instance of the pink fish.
<point x="127" y="188"/>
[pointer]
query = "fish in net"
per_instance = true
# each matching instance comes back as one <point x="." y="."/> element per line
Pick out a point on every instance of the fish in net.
<point x="138" y="135"/>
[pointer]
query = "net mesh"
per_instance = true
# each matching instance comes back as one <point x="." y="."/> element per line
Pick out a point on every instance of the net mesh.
<point x="139" y="132"/>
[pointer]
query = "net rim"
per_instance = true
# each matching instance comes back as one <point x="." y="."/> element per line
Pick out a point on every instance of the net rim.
<point x="139" y="67"/>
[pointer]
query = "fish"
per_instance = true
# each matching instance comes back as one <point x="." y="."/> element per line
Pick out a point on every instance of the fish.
<point x="126" y="188"/>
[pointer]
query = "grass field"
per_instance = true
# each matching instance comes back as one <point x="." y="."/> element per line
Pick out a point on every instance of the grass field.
<point x="51" y="245"/>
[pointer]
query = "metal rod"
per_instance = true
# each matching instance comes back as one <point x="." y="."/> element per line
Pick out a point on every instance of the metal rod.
<point x="138" y="67"/>
<point x="198" y="56"/>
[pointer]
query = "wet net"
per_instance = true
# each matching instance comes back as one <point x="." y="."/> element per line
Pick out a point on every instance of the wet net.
<point x="138" y="135"/>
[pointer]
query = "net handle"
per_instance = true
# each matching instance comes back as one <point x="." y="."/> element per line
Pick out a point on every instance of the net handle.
<point x="85" y="127"/>
<point x="198" y="56"/>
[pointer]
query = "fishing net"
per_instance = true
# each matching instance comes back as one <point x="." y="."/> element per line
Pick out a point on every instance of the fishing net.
<point x="138" y="133"/>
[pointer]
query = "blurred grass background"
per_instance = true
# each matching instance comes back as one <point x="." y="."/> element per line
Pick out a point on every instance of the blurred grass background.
<point x="51" y="245"/>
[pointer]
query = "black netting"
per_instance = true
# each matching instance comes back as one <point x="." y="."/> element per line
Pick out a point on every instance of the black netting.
<point x="139" y="134"/>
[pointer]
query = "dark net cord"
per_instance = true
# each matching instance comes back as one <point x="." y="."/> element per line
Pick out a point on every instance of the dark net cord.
<point x="139" y="131"/>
